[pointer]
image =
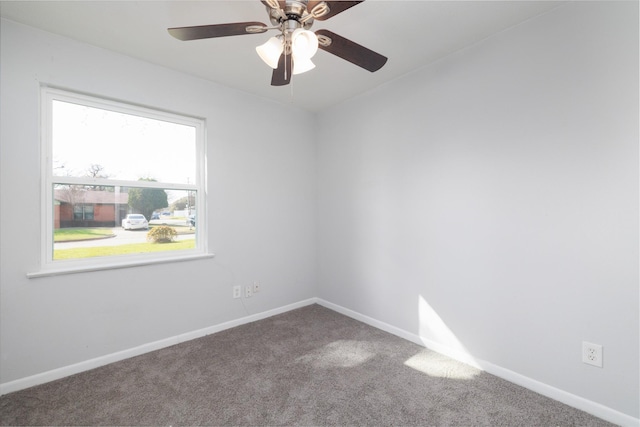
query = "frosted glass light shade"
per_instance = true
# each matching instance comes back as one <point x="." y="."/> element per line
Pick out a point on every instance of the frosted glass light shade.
<point x="302" y="65"/>
<point x="270" y="51"/>
<point x="304" y="44"/>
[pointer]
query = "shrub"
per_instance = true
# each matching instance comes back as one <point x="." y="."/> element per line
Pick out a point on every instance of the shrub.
<point x="162" y="234"/>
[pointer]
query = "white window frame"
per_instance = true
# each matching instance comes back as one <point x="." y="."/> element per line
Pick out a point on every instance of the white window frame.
<point x="48" y="266"/>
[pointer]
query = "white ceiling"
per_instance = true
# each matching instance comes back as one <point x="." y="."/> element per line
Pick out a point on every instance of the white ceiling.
<point x="411" y="34"/>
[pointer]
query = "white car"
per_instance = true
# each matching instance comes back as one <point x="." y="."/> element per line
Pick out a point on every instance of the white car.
<point x="135" y="222"/>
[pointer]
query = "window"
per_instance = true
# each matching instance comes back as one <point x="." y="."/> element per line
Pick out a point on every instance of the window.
<point x="83" y="212"/>
<point x="113" y="172"/>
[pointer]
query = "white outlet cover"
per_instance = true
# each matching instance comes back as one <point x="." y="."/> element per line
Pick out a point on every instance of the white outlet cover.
<point x="592" y="354"/>
<point x="237" y="291"/>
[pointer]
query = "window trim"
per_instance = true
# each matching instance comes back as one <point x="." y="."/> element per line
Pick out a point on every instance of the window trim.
<point x="49" y="266"/>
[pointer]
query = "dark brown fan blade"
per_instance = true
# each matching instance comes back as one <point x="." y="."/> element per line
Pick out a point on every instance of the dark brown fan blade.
<point x="335" y="7"/>
<point x="211" y="31"/>
<point x="352" y="52"/>
<point x="282" y="75"/>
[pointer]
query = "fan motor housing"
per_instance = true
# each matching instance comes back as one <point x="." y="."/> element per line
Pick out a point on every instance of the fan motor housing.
<point x="294" y="10"/>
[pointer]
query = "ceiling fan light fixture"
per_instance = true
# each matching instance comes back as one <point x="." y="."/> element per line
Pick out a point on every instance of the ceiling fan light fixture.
<point x="302" y="65"/>
<point x="291" y="51"/>
<point x="270" y="51"/>
<point x="304" y="44"/>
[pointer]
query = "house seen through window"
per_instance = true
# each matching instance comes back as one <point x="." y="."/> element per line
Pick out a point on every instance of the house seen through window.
<point x="122" y="182"/>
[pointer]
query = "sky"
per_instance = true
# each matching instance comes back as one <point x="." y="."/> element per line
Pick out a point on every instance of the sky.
<point x="128" y="147"/>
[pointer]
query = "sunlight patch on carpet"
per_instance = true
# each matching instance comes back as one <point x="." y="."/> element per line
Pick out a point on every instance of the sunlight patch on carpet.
<point x="438" y="365"/>
<point x="342" y="353"/>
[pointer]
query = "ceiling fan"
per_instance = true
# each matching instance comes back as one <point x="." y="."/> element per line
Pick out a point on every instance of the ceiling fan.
<point x="290" y="51"/>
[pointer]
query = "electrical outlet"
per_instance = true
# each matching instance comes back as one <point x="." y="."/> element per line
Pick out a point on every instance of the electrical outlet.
<point x="237" y="291"/>
<point x="248" y="292"/>
<point x="256" y="287"/>
<point x="592" y="354"/>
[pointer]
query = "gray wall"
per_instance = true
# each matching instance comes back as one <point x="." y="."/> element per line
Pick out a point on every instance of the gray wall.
<point x="261" y="198"/>
<point x="489" y="203"/>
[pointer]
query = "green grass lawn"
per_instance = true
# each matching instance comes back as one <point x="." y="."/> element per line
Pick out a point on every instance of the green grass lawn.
<point x="135" y="248"/>
<point x="69" y="234"/>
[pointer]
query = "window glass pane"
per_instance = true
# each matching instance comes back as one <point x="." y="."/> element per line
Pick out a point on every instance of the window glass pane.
<point x="121" y="181"/>
<point x="98" y="143"/>
<point x="77" y="212"/>
<point x="104" y="221"/>
<point x="87" y="212"/>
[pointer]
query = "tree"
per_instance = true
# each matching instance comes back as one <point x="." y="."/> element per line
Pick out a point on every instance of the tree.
<point x="147" y="200"/>
<point x="184" y="202"/>
<point x="97" y="171"/>
<point x="179" y="204"/>
<point x="73" y="195"/>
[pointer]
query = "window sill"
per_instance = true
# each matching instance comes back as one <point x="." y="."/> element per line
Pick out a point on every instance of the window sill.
<point x="98" y="267"/>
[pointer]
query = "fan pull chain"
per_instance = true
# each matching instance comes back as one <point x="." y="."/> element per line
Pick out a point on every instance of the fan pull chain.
<point x="285" y="73"/>
<point x="285" y="65"/>
<point x="291" y="87"/>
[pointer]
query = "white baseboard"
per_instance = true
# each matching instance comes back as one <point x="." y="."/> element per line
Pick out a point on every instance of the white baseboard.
<point x="578" y="402"/>
<point x="567" y="398"/>
<point x="86" y="365"/>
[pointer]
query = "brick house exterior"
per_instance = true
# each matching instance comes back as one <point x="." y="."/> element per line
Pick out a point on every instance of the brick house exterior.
<point x="89" y="208"/>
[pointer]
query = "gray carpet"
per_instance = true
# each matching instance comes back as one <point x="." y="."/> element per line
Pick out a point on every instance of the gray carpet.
<point x="310" y="366"/>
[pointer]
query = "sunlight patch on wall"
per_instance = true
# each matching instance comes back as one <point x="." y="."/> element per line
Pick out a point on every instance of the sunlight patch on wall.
<point x="342" y="354"/>
<point x="437" y="336"/>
